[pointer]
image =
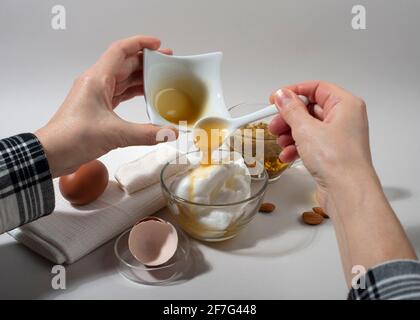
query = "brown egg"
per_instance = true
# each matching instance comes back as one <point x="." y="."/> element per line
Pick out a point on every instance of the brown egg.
<point x="86" y="184"/>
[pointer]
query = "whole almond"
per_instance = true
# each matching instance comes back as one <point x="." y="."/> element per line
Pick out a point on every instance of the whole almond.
<point x="321" y="212"/>
<point x="312" y="218"/>
<point x="251" y="164"/>
<point x="267" y="207"/>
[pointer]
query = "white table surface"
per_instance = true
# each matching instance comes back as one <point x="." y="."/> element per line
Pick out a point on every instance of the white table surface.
<point x="266" y="44"/>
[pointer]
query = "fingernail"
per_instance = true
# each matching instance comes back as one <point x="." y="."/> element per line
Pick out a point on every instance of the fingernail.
<point x="167" y="134"/>
<point x="283" y="98"/>
<point x="174" y="131"/>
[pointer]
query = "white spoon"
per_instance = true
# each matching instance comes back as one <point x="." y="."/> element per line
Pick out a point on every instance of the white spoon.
<point x="231" y="124"/>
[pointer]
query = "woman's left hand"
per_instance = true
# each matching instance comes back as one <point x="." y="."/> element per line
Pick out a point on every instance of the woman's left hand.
<point x="86" y="127"/>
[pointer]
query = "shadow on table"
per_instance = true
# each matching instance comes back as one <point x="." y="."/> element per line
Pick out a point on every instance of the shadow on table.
<point x="396" y="193"/>
<point x="281" y="231"/>
<point x="26" y="275"/>
<point x="197" y="264"/>
<point x="413" y="233"/>
<point x="23" y="274"/>
<point x="194" y="266"/>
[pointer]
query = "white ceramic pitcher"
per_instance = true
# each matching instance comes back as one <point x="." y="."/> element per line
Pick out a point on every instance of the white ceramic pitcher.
<point x="202" y="71"/>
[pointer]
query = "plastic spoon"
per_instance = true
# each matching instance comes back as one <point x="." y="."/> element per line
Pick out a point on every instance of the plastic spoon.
<point x="231" y="124"/>
<point x="211" y="132"/>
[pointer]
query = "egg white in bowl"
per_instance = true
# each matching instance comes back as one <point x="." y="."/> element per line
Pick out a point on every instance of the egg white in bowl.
<point x="214" y="202"/>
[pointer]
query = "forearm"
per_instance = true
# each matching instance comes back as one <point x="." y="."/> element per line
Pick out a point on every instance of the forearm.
<point x="26" y="190"/>
<point x="367" y="229"/>
<point x="62" y="148"/>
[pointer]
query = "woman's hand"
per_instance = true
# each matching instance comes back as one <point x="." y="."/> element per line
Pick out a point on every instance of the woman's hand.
<point x="331" y="135"/>
<point x="85" y="127"/>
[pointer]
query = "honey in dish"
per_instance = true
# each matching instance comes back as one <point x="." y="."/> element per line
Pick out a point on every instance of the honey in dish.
<point x="209" y="136"/>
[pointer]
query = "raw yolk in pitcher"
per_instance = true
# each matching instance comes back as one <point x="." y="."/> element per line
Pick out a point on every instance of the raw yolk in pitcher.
<point x="176" y="105"/>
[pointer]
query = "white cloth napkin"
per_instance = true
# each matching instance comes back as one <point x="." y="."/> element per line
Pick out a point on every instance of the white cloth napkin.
<point x="144" y="171"/>
<point x="70" y="233"/>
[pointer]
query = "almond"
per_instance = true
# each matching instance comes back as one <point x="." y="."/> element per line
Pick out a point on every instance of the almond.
<point x="251" y="165"/>
<point x="267" y="207"/>
<point x="312" y="218"/>
<point x="321" y="212"/>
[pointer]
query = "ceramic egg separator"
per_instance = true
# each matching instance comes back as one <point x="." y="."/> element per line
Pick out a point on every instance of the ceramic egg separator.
<point x="162" y="71"/>
<point x="231" y="124"/>
<point x="190" y="74"/>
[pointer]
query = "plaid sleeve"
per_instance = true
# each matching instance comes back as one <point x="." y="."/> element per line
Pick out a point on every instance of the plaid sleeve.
<point x="26" y="189"/>
<point x="395" y="280"/>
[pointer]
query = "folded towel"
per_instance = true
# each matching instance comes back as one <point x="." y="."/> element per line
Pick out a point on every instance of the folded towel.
<point x="70" y="233"/>
<point x="145" y="171"/>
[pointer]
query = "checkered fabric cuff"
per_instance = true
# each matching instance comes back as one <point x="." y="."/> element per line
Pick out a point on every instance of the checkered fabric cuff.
<point x="394" y="280"/>
<point x="26" y="189"/>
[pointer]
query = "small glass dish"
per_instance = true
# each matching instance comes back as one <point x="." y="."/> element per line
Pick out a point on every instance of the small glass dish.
<point x="270" y="158"/>
<point x="163" y="274"/>
<point x="188" y="214"/>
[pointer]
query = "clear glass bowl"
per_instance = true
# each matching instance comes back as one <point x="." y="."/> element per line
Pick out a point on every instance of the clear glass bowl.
<point x="187" y="213"/>
<point x="164" y="274"/>
<point x="270" y="158"/>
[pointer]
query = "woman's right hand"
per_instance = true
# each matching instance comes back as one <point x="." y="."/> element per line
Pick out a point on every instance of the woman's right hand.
<point x="331" y="136"/>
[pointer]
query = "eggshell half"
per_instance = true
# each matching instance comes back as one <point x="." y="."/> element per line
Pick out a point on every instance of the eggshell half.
<point x="153" y="241"/>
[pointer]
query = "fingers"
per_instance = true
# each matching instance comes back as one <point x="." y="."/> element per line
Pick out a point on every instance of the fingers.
<point x="317" y="111"/>
<point x="134" y="63"/>
<point x="167" y="51"/>
<point x="325" y="94"/>
<point x="147" y="134"/>
<point x="122" y="49"/>
<point x="138" y="59"/>
<point x="285" y="140"/>
<point x="131" y="74"/>
<point x="129" y="93"/>
<point x="122" y="57"/>
<point x="278" y="126"/>
<point x="292" y="109"/>
<point x="133" y="45"/>
<point x="135" y="79"/>
<point x="289" y="154"/>
<point x="303" y="121"/>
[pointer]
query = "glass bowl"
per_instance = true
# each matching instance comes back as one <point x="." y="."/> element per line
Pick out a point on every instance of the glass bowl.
<point x="163" y="274"/>
<point x="270" y="157"/>
<point x="189" y="214"/>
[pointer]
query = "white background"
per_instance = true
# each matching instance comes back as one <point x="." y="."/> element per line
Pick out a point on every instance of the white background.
<point x="266" y="44"/>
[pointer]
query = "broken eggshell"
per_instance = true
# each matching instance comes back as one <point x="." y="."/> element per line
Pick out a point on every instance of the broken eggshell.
<point x="153" y="241"/>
